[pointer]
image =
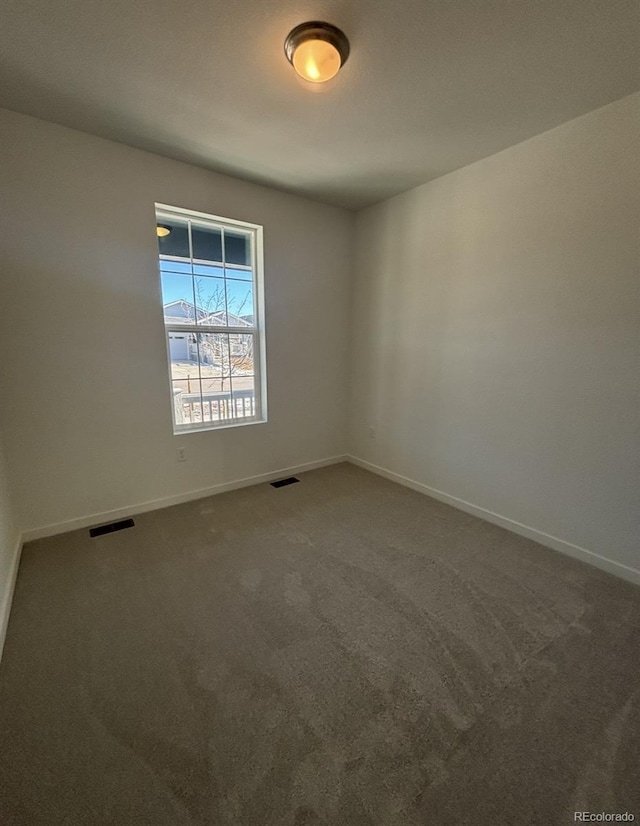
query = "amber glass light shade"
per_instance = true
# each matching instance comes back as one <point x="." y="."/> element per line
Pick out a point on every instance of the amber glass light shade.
<point x="317" y="51"/>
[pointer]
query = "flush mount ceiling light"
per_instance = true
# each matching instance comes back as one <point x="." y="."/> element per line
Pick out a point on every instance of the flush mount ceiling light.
<point x="316" y="50"/>
<point x="162" y="231"/>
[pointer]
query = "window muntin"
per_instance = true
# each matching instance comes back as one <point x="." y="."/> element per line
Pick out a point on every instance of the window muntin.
<point x="211" y="281"/>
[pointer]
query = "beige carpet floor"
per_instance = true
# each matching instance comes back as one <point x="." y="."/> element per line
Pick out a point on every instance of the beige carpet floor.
<point x="342" y="651"/>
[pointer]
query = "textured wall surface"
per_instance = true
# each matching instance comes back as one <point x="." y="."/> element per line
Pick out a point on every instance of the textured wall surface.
<point x="497" y="333"/>
<point x="9" y="535"/>
<point x="85" y="389"/>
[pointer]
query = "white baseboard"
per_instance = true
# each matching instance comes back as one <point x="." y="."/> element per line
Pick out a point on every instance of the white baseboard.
<point x="6" y="597"/>
<point x="168" y="501"/>
<point x="608" y="565"/>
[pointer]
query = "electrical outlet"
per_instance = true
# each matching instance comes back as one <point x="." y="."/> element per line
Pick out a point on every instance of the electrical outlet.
<point x="372" y="432"/>
<point x="181" y="454"/>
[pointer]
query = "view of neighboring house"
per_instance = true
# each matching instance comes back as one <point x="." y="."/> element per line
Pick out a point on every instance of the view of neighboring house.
<point x="183" y="346"/>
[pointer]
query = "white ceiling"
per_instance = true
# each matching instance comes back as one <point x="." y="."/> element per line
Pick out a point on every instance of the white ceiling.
<point x="430" y="86"/>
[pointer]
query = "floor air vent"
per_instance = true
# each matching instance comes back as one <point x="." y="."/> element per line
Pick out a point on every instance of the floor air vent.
<point x="112" y="527"/>
<point x="291" y="480"/>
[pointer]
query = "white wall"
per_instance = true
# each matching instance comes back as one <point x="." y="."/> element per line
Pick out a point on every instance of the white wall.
<point x="497" y="334"/>
<point x="83" y="361"/>
<point x="9" y="547"/>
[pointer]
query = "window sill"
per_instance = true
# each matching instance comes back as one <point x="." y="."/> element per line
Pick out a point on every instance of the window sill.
<point x="180" y="431"/>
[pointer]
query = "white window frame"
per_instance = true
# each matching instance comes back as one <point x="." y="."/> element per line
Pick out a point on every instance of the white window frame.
<point x="166" y="212"/>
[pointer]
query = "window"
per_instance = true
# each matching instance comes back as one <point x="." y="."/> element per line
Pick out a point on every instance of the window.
<point x="211" y="277"/>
